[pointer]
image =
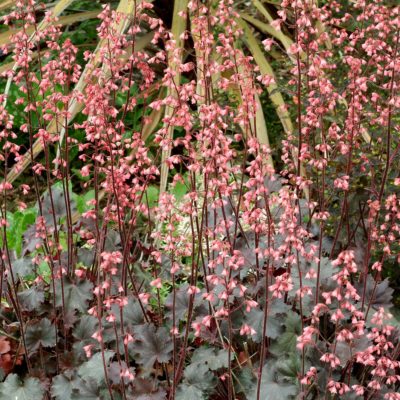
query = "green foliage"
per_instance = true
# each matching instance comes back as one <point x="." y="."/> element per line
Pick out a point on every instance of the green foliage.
<point x="81" y="201"/>
<point x="179" y="190"/>
<point x="151" y="196"/>
<point x="19" y="221"/>
<point x="44" y="271"/>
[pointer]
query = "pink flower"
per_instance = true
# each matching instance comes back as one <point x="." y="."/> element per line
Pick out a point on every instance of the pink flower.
<point x="283" y="284"/>
<point x="337" y="387"/>
<point x="331" y="359"/>
<point x="144" y="298"/>
<point x="193" y="290"/>
<point x="342" y="183"/>
<point x="267" y="43"/>
<point x="98" y="336"/>
<point x="157" y="283"/>
<point x="88" y="350"/>
<point x="128" y="339"/>
<point x="247" y="330"/>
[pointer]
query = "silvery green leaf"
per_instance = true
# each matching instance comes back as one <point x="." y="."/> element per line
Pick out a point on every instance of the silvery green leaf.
<point x="94" y="368"/>
<point x="39" y="334"/>
<point x="152" y="345"/>
<point x="31" y="299"/>
<point x="212" y="358"/>
<point x="272" y="386"/>
<point x="13" y="389"/>
<point x="188" y="392"/>
<point x="255" y="319"/>
<point x="76" y="295"/>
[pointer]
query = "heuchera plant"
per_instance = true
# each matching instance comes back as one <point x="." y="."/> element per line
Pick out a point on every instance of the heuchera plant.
<point x="180" y="257"/>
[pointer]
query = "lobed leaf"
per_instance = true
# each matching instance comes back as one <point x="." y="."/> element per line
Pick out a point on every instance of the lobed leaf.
<point x="94" y="368"/>
<point x="272" y="386"/>
<point x="76" y="295"/>
<point x="40" y="334"/>
<point x="13" y="389"/>
<point x="152" y="345"/>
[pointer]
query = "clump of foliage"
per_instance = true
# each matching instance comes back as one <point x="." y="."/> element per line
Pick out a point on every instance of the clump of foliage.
<point x="154" y="245"/>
